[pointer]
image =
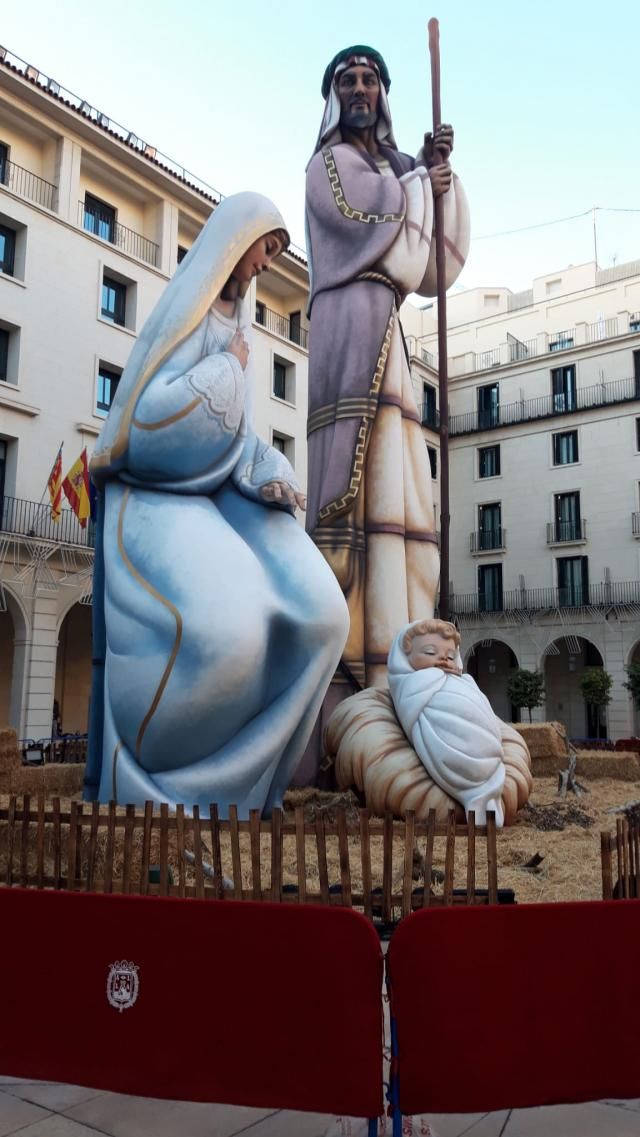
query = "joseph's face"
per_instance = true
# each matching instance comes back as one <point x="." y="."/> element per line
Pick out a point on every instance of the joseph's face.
<point x="433" y="650"/>
<point x="359" y="91"/>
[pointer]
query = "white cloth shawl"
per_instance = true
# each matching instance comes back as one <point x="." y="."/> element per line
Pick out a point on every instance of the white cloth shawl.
<point x="453" y="730"/>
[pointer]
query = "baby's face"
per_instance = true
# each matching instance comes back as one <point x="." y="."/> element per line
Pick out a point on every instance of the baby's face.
<point x="433" y="650"/>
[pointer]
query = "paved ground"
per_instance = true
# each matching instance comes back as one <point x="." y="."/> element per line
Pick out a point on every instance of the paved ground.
<point x="46" y="1109"/>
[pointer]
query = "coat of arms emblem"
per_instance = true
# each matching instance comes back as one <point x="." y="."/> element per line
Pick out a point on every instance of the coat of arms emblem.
<point x="122" y="985"/>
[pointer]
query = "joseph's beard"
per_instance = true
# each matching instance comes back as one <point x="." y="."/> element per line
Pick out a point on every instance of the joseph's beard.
<point x="358" y="120"/>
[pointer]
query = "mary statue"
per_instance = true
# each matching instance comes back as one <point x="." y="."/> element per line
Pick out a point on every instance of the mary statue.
<point x="219" y="622"/>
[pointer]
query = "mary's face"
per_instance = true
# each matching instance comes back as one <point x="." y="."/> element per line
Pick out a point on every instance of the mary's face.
<point x="258" y="258"/>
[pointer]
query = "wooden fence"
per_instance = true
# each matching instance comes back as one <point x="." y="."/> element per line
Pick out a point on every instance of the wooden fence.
<point x="353" y="860"/>
<point x="623" y="848"/>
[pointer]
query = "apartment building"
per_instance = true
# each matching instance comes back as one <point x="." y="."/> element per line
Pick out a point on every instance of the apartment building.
<point x="93" y="221"/>
<point x="544" y="404"/>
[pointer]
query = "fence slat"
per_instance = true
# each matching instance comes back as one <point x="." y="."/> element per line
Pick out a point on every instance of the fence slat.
<point x="24" y="840"/>
<point x="407" y="876"/>
<point x="40" y="842"/>
<point x="387" y="867"/>
<point x="620" y="855"/>
<point x="129" y="822"/>
<point x="607" y="870"/>
<point x="343" y="853"/>
<point x="71" y="845"/>
<point x="236" y="860"/>
<point x="321" y="846"/>
<point x="197" y="852"/>
<point x="471" y="856"/>
<point x="449" y="857"/>
<point x="164" y="849"/>
<point x="110" y="847"/>
<point x="216" y="853"/>
<point x="636" y="847"/>
<point x="276" y="855"/>
<point x="11" y="834"/>
<point x="182" y="871"/>
<point x="145" y="862"/>
<point x="365" y="856"/>
<point x="256" y="868"/>
<point x="301" y="858"/>
<point x="492" y="858"/>
<point x="93" y="844"/>
<point x="57" y="843"/>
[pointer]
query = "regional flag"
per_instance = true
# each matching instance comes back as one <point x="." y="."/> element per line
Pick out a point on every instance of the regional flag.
<point x="54" y="485"/>
<point x="76" y="488"/>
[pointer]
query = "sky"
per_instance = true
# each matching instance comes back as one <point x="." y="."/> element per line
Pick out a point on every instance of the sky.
<point x="543" y="97"/>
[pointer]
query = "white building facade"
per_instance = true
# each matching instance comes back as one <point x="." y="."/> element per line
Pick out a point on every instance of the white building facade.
<point x="92" y="224"/>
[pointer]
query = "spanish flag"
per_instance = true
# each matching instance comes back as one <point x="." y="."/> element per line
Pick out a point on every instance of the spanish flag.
<point x="76" y="488"/>
<point x="54" y="485"/>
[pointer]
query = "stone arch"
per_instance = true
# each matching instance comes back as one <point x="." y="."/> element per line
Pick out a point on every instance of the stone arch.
<point x="634" y="717"/>
<point x="563" y="662"/>
<point x="490" y="663"/>
<point x="73" y="667"/>
<point x="15" y="636"/>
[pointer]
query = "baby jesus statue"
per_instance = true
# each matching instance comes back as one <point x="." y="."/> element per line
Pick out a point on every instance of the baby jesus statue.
<point x="449" y="721"/>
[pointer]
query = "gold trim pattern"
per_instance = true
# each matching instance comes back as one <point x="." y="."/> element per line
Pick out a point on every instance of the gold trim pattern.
<point x="343" y="408"/>
<point x="341" y="202"/>
<point x="148" y="587"/>
<point x="339" y="505"/>
<point x="171" y="419"/>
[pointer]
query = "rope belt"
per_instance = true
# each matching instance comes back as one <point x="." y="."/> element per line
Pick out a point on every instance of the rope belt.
<point x="380" y="278"/>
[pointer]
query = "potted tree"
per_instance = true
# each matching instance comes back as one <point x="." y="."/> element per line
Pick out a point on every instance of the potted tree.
<point x="595" y="685"/>
<point x="526" y="689"/>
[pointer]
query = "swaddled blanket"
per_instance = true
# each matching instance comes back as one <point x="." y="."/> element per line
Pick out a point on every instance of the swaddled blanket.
<point x="453" y="730"/>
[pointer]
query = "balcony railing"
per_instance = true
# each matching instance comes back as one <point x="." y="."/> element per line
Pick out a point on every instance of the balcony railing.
<point x="521" y="349"/>
<point x="33" y="519"/>
<point x="634" y="321"/>
<point x="605" y="596"/>
<point x="29" y="185"/>
<point x="103" y="225"/>
<point x="487" y="540"/>
<point x="486" y="359"/>
<point x="635" y="524"/>
<point x="546" y="406"/>
<point x="283" y="326"/>
<point x="602" y="330"/>
<point x="565" y="532"/>
<point x="429" y="416"/>
<point x="562" y="341"/>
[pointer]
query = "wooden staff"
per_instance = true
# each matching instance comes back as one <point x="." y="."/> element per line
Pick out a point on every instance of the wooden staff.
<point x="434" y="51"/>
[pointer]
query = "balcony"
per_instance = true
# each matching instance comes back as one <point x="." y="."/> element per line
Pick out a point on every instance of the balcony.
<point x="567" y="532"/>
<point x="105" y="227"/>
<point x="30" y="186"/>
<point x="562" y="341"/>
<point x="488" y="541"/>
<point x="32" y="520"/>
<point x="282" y="326"/>
<point x="530" y="600"/>
<point x="635" y="524"/>
<point x="546" y="406"/>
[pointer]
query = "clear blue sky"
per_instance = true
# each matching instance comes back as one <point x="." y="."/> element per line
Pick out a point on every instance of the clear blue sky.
<point x="543" y="96"/>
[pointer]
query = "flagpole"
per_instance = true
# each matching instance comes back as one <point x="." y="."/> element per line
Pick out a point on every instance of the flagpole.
<point x="441" y="289"/>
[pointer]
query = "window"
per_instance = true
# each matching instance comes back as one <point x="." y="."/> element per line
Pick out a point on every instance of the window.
<point x="561" y="341"/>
<point x="4" y="162"/>
<point x="114" y="300"/>
<point x="490" y="588"/>
<point x="433" y="460"/>
<point x="490" y="526"/>
<point x="260" y="312"/>
<point x="182" y="252"/>
<point x="488" y="406"/>
<point x="99" y="218"/>
<point x="7" y="249"/>
<point x="636" y="373"/>
<point x="568" y="523"/>
<point x="573" y="581"/>
<point x="638" y="434"/>
<point x="565" y="448"/>
<point x="634" y="322"/>
<point x="295" y="327"/>
<point x="279" y="380"/>
<point x="108" y="380"/>
<point x="285" y="444"/>
<point x="429" y="411"/>
<point x="3" y="466"/>
<point x="489" y="462"/>
<point x="563" y="386"/>
<point x="4" y="353"/>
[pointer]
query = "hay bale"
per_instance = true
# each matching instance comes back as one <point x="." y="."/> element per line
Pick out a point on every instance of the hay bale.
<point x="372" y="752"/>
<point x="9" y="757"/>
<point x="547" y="744"/>
<point x="52" y="780"/>
<point x="622" y="765"/>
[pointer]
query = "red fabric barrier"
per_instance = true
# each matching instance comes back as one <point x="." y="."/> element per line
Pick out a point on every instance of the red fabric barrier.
<point x="503" y="1007"/>
<point x="249" y="1004"/>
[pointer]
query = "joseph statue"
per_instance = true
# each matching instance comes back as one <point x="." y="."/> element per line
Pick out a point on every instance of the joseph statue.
<point x="369" y="238"/>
